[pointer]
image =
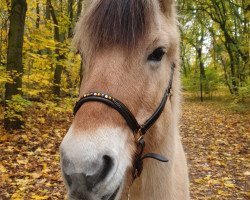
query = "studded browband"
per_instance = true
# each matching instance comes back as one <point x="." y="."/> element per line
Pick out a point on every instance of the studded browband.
<point x="138" y="130"/>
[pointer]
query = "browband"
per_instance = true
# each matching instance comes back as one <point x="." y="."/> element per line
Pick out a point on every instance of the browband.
<point x="138" y="130"/>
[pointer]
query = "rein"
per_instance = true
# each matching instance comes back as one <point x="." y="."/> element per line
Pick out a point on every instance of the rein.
<point x="138" y="130"/>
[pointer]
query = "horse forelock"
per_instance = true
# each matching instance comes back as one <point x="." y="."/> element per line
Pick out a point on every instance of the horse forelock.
<point x="116" y="22"/>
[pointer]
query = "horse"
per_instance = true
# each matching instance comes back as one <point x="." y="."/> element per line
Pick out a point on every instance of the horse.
<point x="126" y="119"/>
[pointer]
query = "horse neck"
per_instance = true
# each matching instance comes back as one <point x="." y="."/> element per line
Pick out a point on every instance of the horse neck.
<point x="156" y="179"/>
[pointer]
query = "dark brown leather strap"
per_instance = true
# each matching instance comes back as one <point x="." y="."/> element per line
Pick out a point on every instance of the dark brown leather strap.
<point x="161" y="107"/>
<point x="138" y="165"/>
<point x="112" y="102"/>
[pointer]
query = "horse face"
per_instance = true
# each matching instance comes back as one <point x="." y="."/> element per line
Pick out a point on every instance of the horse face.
<point x="98" y="152"/>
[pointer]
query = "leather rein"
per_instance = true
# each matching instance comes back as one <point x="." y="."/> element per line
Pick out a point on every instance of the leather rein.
<point x="139" y="131"/>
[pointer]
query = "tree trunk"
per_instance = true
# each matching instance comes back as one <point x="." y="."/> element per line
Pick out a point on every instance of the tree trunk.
<point x="59" y="67"/>
<point x="201" y="64"/>
<point x="226" y="76"/>
<point x="232" y="68"/>
<point x="79" y="9"/>
<point x="57" y="78"/>
<point x="230" y="44"/>
<point x="71" y="15"/>
<point x="37" y="14"/>
<point x="202" y="72"/>
<point x="14" y="58"/>
<point x="47" y="10"/>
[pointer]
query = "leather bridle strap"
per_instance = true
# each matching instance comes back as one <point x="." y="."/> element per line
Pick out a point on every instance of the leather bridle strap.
<point x="161" y="107"/>
<point x="112" y="102"/>
<point x="138" y="130"/>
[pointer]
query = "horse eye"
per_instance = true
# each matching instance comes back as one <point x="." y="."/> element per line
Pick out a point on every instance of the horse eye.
<point x="157" y="55"/>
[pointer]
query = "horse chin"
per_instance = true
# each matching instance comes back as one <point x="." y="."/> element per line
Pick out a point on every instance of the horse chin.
<point x="112" y="196"/>
<point x="97" y="195"/>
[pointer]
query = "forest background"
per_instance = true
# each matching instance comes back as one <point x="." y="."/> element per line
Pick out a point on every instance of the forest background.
<point x="40" y="71"/>
<point x="214" y="40"/>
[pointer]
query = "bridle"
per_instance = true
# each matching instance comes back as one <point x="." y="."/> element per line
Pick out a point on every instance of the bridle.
<point x="138" y="130"/>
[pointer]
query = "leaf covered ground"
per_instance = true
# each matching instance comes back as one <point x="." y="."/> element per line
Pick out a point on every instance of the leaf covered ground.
<point x="217" y="145"/>
<point x="216" y="142"/>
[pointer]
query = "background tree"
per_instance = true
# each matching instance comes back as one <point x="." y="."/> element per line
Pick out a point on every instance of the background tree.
<point x="221" y="30"/>
<point x="214" y="38"/>
<point x="14" y="62"/>
<point x="48" y="65"/>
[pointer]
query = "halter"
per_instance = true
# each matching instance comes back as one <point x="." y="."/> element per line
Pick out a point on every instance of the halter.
<point x="138" y="130"/>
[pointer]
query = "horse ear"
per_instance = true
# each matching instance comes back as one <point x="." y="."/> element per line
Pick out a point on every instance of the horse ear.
<point x="167" y="6"/>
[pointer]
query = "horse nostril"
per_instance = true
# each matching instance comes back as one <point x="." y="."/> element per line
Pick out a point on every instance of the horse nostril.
<point x="101" y="174"/>
<point x="107" y="165"/>
<point x="91" y="174"/>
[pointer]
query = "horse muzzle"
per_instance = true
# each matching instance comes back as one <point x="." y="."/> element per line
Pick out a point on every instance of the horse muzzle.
<point x="92" y="182"/>
<point x="94" y="169"/>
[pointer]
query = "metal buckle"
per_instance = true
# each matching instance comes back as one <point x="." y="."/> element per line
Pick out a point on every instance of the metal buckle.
<point x="139" y="136"/>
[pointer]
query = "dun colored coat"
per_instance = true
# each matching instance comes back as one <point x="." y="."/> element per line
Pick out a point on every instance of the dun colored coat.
<point x="119" y="42"/>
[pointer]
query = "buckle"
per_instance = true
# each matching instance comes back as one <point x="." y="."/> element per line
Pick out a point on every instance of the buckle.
<point x="139" y="136"/>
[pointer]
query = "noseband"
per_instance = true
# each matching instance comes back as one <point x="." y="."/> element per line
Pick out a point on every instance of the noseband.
<point x="138" y="130"/>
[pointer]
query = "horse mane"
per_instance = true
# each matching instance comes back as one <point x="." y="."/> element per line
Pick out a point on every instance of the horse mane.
<point x="115" y="22"/>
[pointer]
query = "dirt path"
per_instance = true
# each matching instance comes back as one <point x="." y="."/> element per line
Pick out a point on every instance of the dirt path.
<point x="218" y="153"/>
<point x="215" y="141"/>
